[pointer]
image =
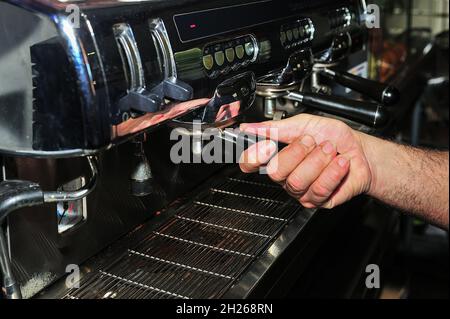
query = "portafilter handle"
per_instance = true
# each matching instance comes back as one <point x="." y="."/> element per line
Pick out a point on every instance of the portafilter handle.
<point x="245" y="140"/>
<point x="367" y="113"/>
<point x="388" y="95"/>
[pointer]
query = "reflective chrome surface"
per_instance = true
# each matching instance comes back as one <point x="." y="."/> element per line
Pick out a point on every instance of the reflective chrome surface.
<point x="232" y="98"/>
<point x="64" y="196"/>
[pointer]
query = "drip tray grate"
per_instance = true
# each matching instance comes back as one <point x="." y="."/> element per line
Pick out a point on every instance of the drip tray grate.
<point x="202" y="250"/>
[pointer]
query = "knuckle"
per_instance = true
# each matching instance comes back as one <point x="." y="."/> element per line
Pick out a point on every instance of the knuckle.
<point x="340" y="125"/>
<point x="319" y="160"/>
<point x="276" y="176"/>
<point x="273" y="170"/>
<point x="295" y="185"/>
<point x="244" y="158"/>
<point x="334" y="175"/>
<point x="320" y="191"/>
<point x="244" y="168"/>
<point x="298" y="150"/>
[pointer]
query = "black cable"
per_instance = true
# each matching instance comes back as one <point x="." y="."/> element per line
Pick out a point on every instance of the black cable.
<point x="66" y="208"/>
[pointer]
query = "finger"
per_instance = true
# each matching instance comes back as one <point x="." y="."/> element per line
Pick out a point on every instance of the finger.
<point x="310" y="169"/>
<point x="324" y="187"/>
<point x="257" y="155"/>
<point x="285" y="131"/>
<point x="285" y="162"/>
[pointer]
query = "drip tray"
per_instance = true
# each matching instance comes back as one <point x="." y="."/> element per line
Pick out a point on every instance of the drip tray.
<point x="202" y="250"/>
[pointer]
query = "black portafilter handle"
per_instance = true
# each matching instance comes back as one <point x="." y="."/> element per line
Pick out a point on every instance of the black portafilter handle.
<point x="386" y="94"/>
<point x="367" y="113"/>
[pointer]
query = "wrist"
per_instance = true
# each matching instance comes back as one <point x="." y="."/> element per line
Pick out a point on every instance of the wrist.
<point x="372" y="153"/>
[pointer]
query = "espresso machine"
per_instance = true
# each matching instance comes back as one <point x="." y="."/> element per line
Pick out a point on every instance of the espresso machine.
<point x="91" y="92"/>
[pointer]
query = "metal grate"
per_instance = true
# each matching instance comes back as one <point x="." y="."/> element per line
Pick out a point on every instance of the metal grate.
<point x="202" y="250"/>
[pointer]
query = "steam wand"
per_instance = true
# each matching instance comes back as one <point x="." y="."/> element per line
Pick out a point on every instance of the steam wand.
<point x="15" y="195"/>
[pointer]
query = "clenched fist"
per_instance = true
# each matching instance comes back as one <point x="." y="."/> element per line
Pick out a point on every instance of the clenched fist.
<point x="324" y="164"/>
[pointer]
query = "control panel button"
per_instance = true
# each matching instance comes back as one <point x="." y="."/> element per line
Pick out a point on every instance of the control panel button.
<point x="302" y="31"/>
<point x="229" y="53"/>
<point x="283" y="37"/>
<point x="289" y="35"/>
<point x="208" y="62"/>
<point x="249" y="48"/>
<point x="220" y="58"/>
<point x="240" y="51"/>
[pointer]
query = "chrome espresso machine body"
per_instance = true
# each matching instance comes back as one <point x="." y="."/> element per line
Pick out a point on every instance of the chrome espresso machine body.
<point x="87" y="107"/>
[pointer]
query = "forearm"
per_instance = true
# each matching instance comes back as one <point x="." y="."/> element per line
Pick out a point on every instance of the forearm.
<point x="411" y="179"/>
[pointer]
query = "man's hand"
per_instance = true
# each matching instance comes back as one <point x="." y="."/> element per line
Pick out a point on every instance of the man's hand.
<point x="327" y="163"/>
<point x="324" y="165"/>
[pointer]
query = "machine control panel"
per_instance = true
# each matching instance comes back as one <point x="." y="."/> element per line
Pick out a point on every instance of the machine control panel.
<point x="220" y="58"/>
<point x="294" y="35"/>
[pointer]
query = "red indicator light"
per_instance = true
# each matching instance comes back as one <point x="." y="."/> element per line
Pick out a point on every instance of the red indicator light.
<point x="193" y="26"/>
